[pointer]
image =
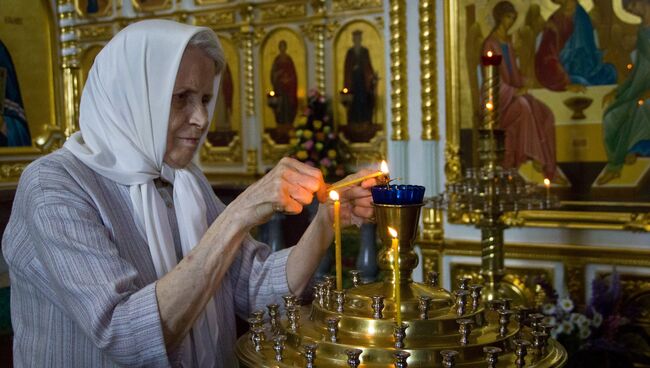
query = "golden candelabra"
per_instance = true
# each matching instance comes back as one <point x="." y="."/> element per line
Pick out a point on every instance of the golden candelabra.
<point x="357" y="327"/>
<point x="489" y="191"/>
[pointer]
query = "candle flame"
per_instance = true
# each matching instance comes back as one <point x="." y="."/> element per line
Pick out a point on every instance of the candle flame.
<point x="384" y="167"/>
<point x="547" y="182"/>
<point x="629" y="66"/>
<point x="489" y="53"/>
<point x="392" y="232"/>
<point x="345" y="90"/>
<point x="334" y="195"/>
<point x="489" y="106"/>
<point x="640" y="102"/>
<point x="272" y="93"/>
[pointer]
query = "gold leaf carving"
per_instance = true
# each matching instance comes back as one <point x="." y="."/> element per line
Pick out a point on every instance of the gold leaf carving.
<point x="342" y="5"/>
<point x="10" y="172"/>
<point x="251" y="161"/>
<point x="452" y="162"/>
<point x="215" y="19"/>
<point x="95" y="32"/>
<point x="231" y="154"/>
<point x="281" y="11"/>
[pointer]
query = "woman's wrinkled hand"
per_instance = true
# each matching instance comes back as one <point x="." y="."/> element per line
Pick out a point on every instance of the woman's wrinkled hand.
<point x="287" y="188"/>
<point x="356" y="201"/>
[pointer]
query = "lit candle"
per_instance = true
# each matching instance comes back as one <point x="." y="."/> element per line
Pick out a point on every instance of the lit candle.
<point x="396" y="276"/>
<point x="491" y="59"/>
<point x="334" y="195"/>
<point x="383" y="172"/>
<point x="547" y="184"/>
<point x="272" y="93"/>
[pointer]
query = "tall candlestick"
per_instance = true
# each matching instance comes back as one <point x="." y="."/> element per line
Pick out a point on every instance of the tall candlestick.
<point x="334" y="195"/>
<point x="383" y="172"/>
<point x="396" y="276"/>
<point x="547" y="184"/>
<point x="490" y="89"/>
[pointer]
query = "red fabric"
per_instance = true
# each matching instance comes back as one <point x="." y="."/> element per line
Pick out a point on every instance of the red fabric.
<point x="548" y="69"/>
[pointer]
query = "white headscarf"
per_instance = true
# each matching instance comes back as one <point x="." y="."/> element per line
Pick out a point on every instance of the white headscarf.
<point x="123" y="116"/>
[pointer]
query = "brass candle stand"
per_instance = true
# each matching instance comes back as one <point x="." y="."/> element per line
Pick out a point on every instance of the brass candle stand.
<point x="356" y="327"/>
<point x="489" y="191"/>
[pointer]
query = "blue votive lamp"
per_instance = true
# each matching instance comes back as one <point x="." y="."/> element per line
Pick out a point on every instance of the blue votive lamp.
<point x="397" y="194"/>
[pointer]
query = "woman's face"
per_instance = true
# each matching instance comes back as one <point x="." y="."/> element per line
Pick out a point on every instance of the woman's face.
<point x="188" y="116"/>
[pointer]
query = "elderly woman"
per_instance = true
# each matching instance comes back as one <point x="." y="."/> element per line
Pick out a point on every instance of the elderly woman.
<point x="119" y="252"/>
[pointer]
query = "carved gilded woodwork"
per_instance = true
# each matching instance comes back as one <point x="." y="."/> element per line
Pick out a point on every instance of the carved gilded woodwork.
<point x="211" y="155"/>
<point x="98" y="8"/>
<point x="215" y="19"/>
<point x="210" y="2"/>
<point x="151" y="5"/>
<point x="283" y="11"/>
<point x="399" y="93"/>
<point x="95" y="32"/>
<point x="345" y="5"/>
<point x="574" y="260"/>
<point x="428" y="74"/>
<point x="43" y="48"/>
<point x="77" y="30"/>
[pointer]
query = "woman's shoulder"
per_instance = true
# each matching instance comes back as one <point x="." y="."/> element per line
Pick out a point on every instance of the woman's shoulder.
<point x="57" y="165"/>
<point x="59" y="171"/>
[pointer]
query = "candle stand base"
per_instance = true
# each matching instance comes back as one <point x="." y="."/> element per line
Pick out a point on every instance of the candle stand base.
<point x="458" y="326"/>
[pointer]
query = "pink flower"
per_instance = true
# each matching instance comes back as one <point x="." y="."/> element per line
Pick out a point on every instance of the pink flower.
<point x="326" y="162"/>
<point x="331" y="136"/>
<point x="308" y="145"/>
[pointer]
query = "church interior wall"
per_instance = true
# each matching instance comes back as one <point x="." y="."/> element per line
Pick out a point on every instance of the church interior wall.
<point x="565" y="253"/>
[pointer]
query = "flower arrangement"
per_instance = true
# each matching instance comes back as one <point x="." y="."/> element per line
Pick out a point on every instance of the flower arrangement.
<point x="315" y="141"/>
<point x="600" y="336"/>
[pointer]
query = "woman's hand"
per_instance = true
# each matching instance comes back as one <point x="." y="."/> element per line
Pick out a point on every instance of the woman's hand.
<point x="356" y="201"/>
<point x="288" y="187"/>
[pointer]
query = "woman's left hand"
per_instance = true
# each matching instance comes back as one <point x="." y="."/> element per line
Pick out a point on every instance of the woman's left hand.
<point x="356" y="201"/>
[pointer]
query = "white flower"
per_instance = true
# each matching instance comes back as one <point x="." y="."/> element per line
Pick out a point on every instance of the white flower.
<point x="566" y="304"/>
<point x="597" y="320"/>
<point x="583" y="321"/>
<point x="554" y="332"/>
<point x="584" y="333"/>
<point x="574" y="317"/>
<point x="550" y="320"/>
<point x="548" y="309"/>
<point x="567" y="327"/>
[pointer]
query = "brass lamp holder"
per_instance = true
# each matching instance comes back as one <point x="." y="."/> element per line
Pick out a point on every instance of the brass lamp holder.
<point x="357" y="327"/>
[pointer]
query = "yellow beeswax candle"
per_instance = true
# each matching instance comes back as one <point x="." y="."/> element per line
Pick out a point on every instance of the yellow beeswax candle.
<point x="396" y="276"/>
<point x="334" y="195"/>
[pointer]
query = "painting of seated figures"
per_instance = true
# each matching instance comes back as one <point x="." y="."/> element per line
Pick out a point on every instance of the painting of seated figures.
<point x="574" y="92"/>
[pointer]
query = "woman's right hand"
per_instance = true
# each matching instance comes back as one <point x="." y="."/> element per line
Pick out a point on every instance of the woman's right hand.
<point x="287" y="188"/>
